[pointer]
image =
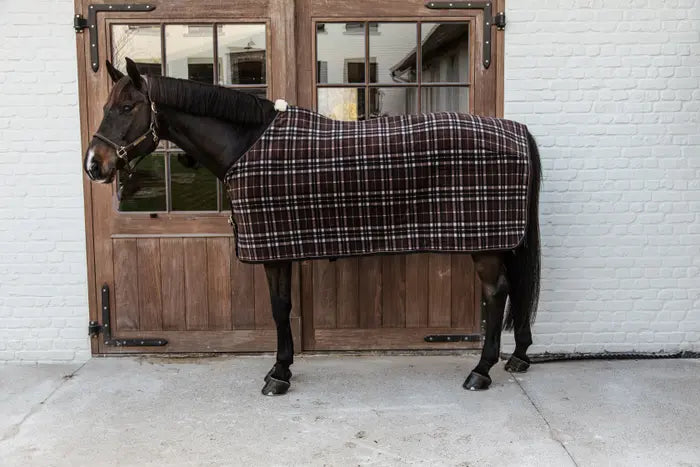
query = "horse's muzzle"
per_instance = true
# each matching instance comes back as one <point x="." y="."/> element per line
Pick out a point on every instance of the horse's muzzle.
<point x="99" y="165"/>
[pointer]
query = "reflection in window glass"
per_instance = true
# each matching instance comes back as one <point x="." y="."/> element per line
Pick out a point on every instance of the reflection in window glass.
<point x="445" y="52"/>
<point x="139" y="43"/>
<point x="242" y="54"/>
<point x="393" y="52"/>
<point x="342" y="103"/>
<point x="392" y="101"/>
<point x="341" y="46"/>
<point x="145" y="190"/>
<point x="189" y="52"/>
<point x="449" y="98"/>
<point x="192" y="186"/>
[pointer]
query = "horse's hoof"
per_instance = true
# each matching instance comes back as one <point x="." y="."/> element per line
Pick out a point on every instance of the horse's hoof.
<point x="275" y="387"/>
<point x="476" y="382"/>
<point x="287" y="375"/>
<point x="516" y="365"/>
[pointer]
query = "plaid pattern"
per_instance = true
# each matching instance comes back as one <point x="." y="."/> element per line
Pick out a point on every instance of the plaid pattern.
<point x="312" y="187"/>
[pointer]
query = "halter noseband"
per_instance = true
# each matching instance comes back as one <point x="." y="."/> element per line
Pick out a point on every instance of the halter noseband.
<point x="123" y="150"/>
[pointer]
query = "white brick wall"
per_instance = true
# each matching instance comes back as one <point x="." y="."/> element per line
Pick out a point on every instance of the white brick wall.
<point x="43" y="285"/>
<point x="610" y="88"/>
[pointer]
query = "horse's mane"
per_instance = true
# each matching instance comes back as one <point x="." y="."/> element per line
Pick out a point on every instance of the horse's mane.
<point x="209" y="100"/>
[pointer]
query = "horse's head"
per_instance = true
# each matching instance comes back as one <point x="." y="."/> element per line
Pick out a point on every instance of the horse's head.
<point x="127" y="130"/>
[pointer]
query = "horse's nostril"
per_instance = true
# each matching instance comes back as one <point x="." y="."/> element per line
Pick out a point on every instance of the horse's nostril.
<point x="94" y="169"/>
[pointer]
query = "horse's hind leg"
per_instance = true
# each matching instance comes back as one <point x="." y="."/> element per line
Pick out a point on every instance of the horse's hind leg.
<point x="519" y="361"/>
<point x="279" y="278"/>
<point x="494" y="290"/>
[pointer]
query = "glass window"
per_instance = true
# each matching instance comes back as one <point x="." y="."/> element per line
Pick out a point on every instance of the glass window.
<point x="342" y="103"/>
<point x="445" y="52"/>
<point x="169" y="180"/>
<point x="189" y="52"/>
<point x="385" y="102"/>
<point x="405" y="75"/>
<point x="242" y="54"/>
<point x="193" y="187"/>
<point x="145" y="189"/>
<point x="342" y="47"/>
<point x="393" y="52"/>
<point x="445" y="99"/>
<point x="141" y="43"/>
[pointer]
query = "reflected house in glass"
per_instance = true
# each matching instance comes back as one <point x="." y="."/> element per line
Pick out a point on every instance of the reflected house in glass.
<point x="391" y="83"/>
<point x="444" y="59"/>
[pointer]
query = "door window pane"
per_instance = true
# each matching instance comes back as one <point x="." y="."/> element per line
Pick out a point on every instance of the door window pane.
<point x="447" y="98"/>
<point x="342" y="103"/>
<point x="139" y="43"/>
<point x="341" y="49"/>
<point x="192" y="186"/>
<point x="189" y="52"/>
<point x="392" y="101"/>
<point x="145" y="189"/>
<point x="445" y="52"/>
<point x="392" y="50"/>
<point x="242" y="54"/>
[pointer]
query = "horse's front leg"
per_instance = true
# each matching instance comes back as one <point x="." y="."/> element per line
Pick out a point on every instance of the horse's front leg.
<point x="279" y="278"/>
<point x="494" y="290"/>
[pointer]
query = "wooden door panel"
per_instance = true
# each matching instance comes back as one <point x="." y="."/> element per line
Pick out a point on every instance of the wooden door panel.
<point x="196" y="293"/>
<point x="219" y="281"/>
<point x="393" y="291"/>
<point x="172" y="266"/>
<point x="149" y="280"/>
<point x="177" y="288"/>
<point x="348" y="298"/>
<point x="126" y="289"/>
<point x="242" y="292"/>
<point x="416" y="291"/>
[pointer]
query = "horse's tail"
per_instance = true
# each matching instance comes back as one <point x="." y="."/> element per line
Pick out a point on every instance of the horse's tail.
<point x="523" y="265"/>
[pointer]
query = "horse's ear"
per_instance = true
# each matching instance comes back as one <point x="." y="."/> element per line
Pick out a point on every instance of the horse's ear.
<point x="133" y="72"/>
<point x="115" y="74"/>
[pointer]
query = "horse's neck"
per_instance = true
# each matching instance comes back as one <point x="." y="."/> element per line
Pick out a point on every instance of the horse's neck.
<point x="214" y="143"/>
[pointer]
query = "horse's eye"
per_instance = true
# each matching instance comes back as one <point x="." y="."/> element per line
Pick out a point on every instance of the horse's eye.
<point x="127" y="108"/>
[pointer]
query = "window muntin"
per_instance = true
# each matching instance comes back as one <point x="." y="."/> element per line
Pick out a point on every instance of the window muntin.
<point x="233" y="55"/>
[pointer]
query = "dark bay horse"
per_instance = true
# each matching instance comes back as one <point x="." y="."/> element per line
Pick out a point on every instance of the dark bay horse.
<point x="216" y="126"/>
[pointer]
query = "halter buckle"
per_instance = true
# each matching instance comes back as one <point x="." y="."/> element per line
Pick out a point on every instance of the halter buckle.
<point x="121" y="153"/>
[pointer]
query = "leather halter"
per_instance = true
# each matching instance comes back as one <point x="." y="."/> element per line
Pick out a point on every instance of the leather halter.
<point x="123" y="150"/>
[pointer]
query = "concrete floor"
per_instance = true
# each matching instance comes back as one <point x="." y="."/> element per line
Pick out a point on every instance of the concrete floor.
<point x="349" y="410"/>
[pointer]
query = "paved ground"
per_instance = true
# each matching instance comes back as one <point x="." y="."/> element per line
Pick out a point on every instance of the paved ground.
<point x="349" y="410"/>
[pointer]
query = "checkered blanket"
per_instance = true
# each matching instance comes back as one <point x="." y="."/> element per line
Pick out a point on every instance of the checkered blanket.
<point x="312" y="187"/>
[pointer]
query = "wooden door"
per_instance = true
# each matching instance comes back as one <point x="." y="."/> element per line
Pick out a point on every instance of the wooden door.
<point x="167" y="252"/>
<point x="360" y="60"/>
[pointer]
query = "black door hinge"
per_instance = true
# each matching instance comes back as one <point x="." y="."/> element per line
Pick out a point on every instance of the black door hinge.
<point x="500" y="20"/>
<point x="80" y="23"/>
<point x="95" y="328"/>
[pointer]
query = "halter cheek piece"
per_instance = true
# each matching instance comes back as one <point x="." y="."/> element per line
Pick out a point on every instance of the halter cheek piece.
<point x="123" y="151"/>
